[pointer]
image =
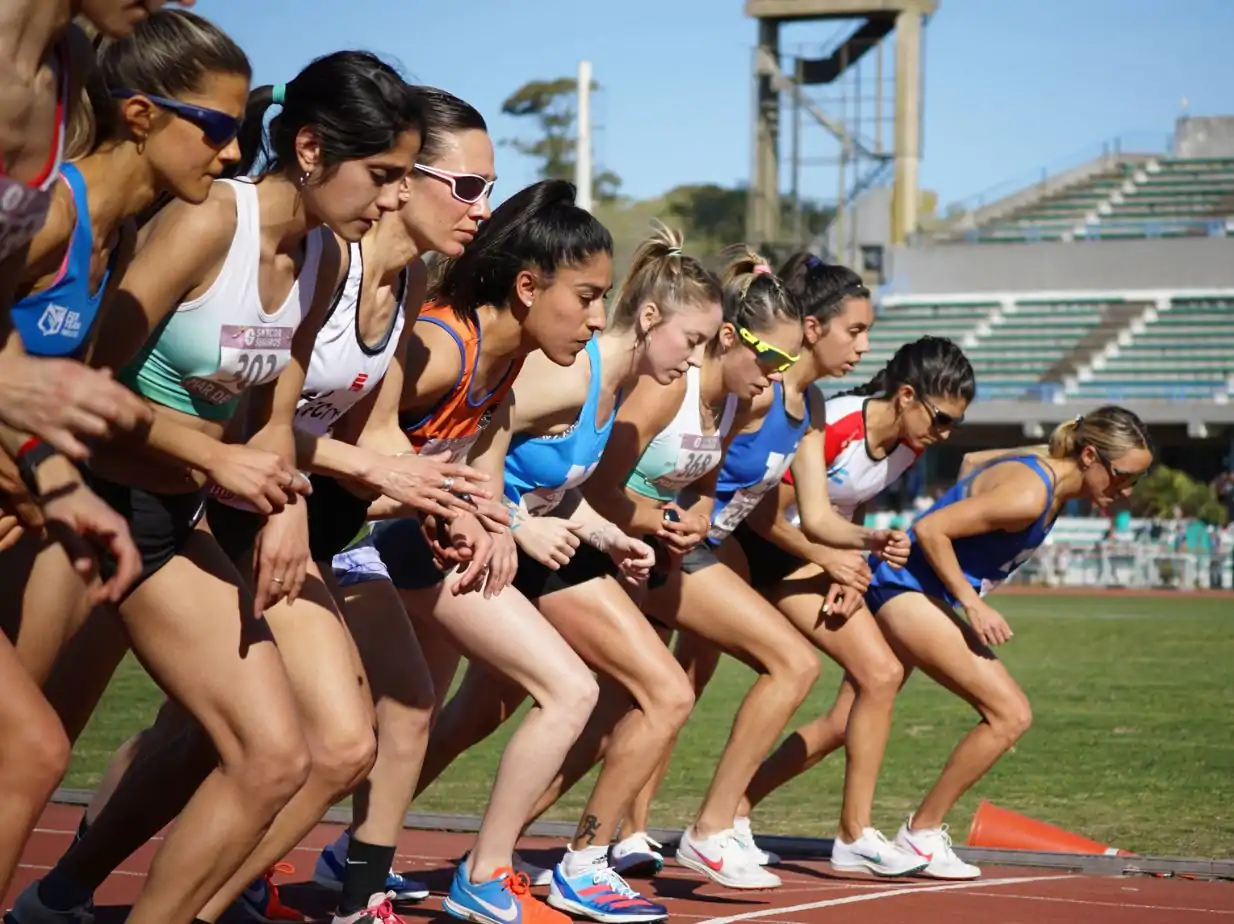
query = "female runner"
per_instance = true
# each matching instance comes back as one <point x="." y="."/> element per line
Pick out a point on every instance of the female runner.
<point x="533" y="278"/>
<point x="255" y="270"/>
<point x="971" y="540"/>
<point x="364" y="333"/>
<point x="570" y="558"/>
<point x="43" y="60"/>
<point x="56" y="268"/>
<point x="873" y="435"/>
<point x="780" y="432"/>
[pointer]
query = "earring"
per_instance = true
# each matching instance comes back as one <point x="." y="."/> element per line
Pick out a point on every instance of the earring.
<point x="304" y="178"/>
<point x="141" y="145"/>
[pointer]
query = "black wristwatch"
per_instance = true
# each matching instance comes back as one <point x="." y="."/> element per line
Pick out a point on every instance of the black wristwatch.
<point x="32" y="454"/>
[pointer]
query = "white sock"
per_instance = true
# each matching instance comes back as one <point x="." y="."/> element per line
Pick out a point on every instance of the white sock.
<point x="580" y="861"/>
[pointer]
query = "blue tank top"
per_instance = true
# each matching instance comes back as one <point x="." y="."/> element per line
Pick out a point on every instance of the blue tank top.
<point x="57" y="320"/>
<point x="541" y="469"/>
<point x="754" y="464"/>
<point x="987" y="560"/>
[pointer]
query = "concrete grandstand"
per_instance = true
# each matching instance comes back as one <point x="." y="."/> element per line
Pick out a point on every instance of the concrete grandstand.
<point x="1112" y="281"/>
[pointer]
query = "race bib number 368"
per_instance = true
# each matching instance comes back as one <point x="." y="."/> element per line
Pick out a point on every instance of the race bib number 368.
<point x="248" y="357"/>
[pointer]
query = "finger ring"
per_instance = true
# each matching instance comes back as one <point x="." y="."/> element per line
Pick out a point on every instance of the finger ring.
<point x="277" y="580"/>
<point x="447" y="482"/>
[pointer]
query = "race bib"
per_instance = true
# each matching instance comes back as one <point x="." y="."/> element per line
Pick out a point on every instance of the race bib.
<point x="745" y="500"/>
<point x="456" y="447"/>
<point x="248" y="357"/>
<point x="318" y="414"/>
<point x="23" y="210"/>
<point x="696" y="456"/>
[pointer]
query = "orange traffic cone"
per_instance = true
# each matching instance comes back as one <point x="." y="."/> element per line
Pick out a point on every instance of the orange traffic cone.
<point x="997" y="827"/>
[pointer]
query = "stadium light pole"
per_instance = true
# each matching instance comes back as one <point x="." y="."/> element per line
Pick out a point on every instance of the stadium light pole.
<point x="582" y="153"/>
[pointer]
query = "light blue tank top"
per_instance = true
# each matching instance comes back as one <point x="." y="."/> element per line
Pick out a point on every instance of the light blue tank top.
<point x="57" y="320"/>
<point x="541" y="469"/>
<point x="754" y="464"/>
<point x="987" y="560"/>
<point x="682" y="453"/>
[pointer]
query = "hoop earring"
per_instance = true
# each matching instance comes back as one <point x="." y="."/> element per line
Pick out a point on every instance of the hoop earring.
<point x="141" y="145"/>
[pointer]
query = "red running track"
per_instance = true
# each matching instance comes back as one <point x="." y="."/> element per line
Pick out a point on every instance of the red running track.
<point x="811" y="893"/>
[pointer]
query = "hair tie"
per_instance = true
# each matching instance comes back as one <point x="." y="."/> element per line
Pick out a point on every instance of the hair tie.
<point x="674" y="251"/>
<point x="278" y="95"/>
<point x="761" y="269"/>
<point x="813" y="261"/>
<point x="1079" y="419"/>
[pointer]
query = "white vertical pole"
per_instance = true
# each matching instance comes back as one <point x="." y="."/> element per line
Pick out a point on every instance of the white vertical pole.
<point x="582" y="154"/>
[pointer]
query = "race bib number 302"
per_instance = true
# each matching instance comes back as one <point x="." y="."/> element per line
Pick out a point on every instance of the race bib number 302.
<point x="248" y="357"/>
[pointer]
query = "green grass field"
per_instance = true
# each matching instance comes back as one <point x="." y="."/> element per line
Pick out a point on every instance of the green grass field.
<point x="1132" y="743"/>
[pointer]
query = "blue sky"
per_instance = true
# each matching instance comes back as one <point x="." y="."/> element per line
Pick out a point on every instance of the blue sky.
<point x="1011" y="86"/>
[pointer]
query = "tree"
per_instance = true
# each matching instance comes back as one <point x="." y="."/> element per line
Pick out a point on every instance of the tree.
<point x="551" y="104"/>
<point x="1165" y="491"/>
<point x="710" y="211"/>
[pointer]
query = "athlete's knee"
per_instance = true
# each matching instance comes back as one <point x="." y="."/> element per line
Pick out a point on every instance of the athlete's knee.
<point x="796" y="665"/>
<point x="1011" y="719"/>
<point x="573" y="696"/>
<point x="879" y="677"/>
<point x="36" y="757"/>
<point x="670" y="700"/>
<point x="272" y="765"/>
<point x="403" y="734"/>
<point x="344" y="756"/>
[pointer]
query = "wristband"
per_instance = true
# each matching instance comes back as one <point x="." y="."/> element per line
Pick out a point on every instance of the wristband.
<point x="29" y="456"/>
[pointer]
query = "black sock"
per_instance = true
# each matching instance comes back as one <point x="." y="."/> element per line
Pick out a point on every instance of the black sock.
<point x="365" y="873"/>
<point x="60" y="892"/>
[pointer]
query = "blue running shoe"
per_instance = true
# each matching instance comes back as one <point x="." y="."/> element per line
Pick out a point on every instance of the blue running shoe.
<point x="328" y="873"/>
<point x="506" y="899"/>
<point x="601" y="894"/>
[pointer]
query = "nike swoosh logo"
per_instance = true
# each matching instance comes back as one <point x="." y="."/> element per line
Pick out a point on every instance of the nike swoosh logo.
<point x="715" y="865"/>
<point x="872" y="859"/>
<point x="929" y="857"/>
<point x="357" y="863"/>
<point x="505" y="914"/>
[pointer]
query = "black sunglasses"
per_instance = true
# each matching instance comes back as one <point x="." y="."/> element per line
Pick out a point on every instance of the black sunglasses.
<point x="940" y="420"/>
<point x="1117" y="475"/>
<point x="465" y="187"/>
<point x="218" y="127"/>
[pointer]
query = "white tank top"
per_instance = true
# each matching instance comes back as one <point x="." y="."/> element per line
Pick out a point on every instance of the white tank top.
<point x="215" y="347"/>
<point x="344" y="368"/>
<point x="853" y="476"/>
<point x="682" y="453"/>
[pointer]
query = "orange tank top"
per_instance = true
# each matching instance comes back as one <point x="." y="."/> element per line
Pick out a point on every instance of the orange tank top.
<point x="455" y="423"/>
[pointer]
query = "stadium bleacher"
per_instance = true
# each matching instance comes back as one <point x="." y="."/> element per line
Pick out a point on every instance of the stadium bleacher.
<point x="1137" y="197"/>
<point x="1100" y="348"/>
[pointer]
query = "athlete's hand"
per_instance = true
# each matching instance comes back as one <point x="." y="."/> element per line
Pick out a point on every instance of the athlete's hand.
<point x="263" y="479"/>
<point x="987" y="622"/>
<point x="493" y="515"/>
<point x="429" y="484"/>
<point x="845" y="566"/>
<point x="551" y="541"/>
<point x="842" y="600"/>
<point x="891" y="545"/>
<point x="103" y="529"/>
<point x="683" y="534"/>
<point x="502" y="564"/>
<point x="11" y="531"/>
<point x="60" y="400"/>
<point x="281" y="557"/>
<point x="15" y="497"/>
<point x="634" y="558"/>
<point x="467" y="535"/>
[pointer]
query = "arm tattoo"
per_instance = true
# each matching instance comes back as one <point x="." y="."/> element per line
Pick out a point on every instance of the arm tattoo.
<point x="599" y="538"/>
